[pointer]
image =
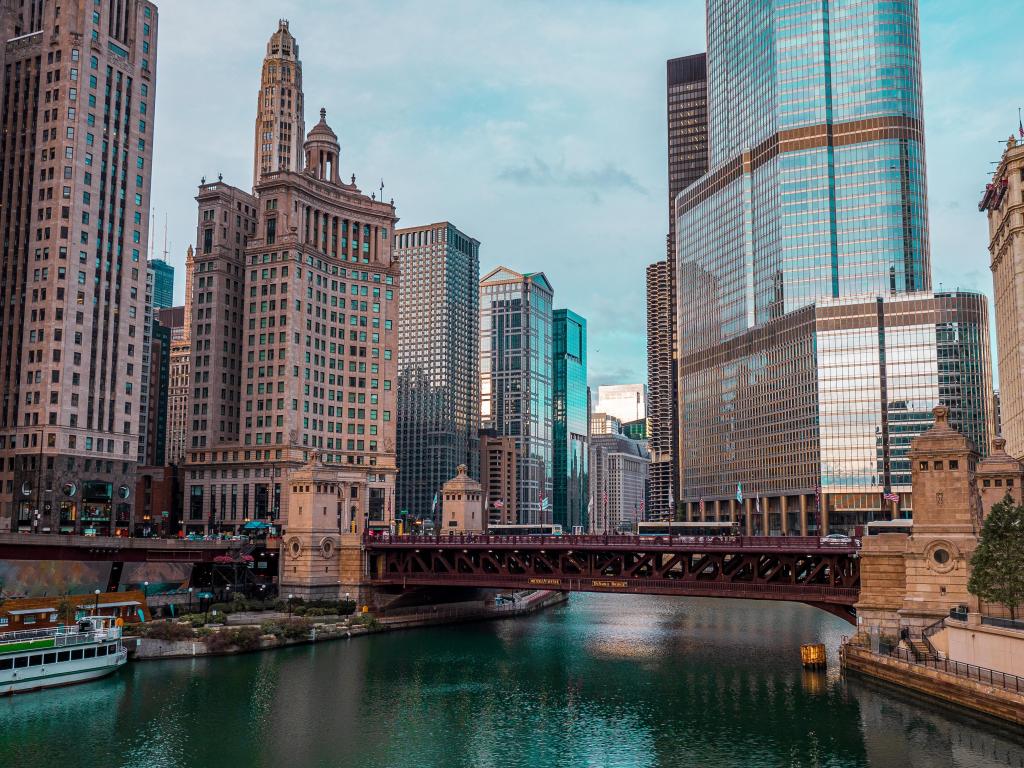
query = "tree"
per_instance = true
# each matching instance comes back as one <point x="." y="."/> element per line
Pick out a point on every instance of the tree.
<point x="997" y="567"/>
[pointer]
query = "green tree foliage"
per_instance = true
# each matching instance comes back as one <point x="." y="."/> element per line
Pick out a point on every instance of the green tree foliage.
<point x="997" y="567"/>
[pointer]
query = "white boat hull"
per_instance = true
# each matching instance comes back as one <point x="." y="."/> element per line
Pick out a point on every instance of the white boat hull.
<point x="60" y="673"/>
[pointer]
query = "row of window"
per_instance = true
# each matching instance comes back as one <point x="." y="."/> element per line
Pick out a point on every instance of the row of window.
<point x="57" y="657"/>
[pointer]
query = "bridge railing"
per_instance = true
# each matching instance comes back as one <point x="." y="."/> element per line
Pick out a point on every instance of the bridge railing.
<point x="738" y="542"/>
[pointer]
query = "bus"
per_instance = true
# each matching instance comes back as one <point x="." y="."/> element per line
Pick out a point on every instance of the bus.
<point x="524" y="530"/>
<point x="706" y="528"/>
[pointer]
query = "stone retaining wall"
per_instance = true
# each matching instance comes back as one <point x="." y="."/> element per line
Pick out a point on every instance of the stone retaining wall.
<point x="935" y="683"/>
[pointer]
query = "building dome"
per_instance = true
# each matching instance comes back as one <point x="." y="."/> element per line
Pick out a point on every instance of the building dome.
<point x="322" y="151"/>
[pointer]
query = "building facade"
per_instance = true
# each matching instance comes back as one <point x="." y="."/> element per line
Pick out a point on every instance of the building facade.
<point x="571" y="421"/>
<point x="809" y="234"/>
<point x="626" y="402"/>
<point x="499" y="472"/>
<point x="618" y="483"/>
<point x="687" y="112"/>
<point x="604" y="424"/>
<point x="177" y="419"/>
<point x="515" y="379"/>
<point x="1002" y="203"/>
<point x="159" y="381"/>
<point x="438" y="361"/>
<point x="294" y="334"/>
<point x="76" y="151"/>
<point x="163" y="284"/>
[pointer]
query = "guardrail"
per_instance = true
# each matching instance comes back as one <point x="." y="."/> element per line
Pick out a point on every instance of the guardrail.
<point x="995" y="621"/>
<point x="982" y="675"/>
<point x="736" y="542"/>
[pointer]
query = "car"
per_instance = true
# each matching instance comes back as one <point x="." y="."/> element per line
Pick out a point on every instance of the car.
<point x="836" y="539"/>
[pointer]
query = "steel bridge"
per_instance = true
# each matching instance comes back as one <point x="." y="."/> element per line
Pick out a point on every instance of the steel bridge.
<point x="802" y="569"/>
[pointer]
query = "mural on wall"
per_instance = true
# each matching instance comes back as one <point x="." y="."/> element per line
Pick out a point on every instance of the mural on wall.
<point x="162" y="577"/>
<point x="43" y="578"/>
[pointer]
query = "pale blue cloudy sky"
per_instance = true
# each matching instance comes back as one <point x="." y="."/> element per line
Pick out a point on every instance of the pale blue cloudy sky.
<point x="538" y="128"/>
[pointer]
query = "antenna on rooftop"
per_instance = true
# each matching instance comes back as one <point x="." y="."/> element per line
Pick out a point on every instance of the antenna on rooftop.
<point x="165" y="235"/>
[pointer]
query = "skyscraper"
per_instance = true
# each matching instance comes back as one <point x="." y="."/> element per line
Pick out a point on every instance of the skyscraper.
<point x="618" y="483"/>
<point x="438" y="361"/>
<point x="293" y="342"/>
<point x="811" y="349"/>
<point x="515" y="379"/>
<point x="1006" y="260"/>
<point x="571" y="427"/>
<point x="280" y="121"/>
<point x="75" y="159"/>
<point x="687" y="112"/>
<point x="178" y="366"/>
<point x="163" y="284"/>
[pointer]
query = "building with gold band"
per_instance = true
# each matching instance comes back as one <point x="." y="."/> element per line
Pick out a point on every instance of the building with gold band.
<point x="811" y="346"/>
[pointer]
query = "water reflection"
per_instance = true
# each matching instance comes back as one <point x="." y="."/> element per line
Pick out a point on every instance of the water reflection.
<point x="605" y="681"/>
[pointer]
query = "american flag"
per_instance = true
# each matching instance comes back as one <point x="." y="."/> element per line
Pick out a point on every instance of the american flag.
<point x="892" y="497"/>
<point x="499" y="504"/>
<point x="702" y="507"/>
<point x="642" y="505"/>
<point x="605" y="497"/>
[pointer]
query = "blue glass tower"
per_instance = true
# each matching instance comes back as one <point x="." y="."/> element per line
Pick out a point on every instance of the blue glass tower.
<point x="163" y="284"/>
<point x="808" y="333"/>
<point x="571" y="420"/>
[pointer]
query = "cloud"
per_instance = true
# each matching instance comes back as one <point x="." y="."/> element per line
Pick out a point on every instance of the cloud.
<point x="539" y="173"/>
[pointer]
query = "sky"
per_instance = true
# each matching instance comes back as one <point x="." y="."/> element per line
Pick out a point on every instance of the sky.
<point x="538" y="128"/>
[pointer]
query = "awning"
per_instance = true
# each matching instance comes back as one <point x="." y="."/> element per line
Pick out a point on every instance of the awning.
<point x="254" y="525"/>
<point x="24" y="611"/>
<point x="90" y="606"/>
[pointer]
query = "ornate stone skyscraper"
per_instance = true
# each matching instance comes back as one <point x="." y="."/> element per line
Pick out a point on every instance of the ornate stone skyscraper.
<point x="280" y="125"/>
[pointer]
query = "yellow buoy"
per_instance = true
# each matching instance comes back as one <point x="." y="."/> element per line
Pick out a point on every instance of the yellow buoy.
<point x="812" y="655"/>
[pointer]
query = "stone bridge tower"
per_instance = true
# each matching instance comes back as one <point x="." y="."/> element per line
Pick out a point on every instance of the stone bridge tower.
<point x="911" y="581"/>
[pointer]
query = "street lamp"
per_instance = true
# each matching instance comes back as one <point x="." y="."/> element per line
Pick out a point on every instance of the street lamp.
<point x="145" y="589"/>
<point x="96" y="604"/>
<point x="290" y="597"/>
<point x="190" y="599"/>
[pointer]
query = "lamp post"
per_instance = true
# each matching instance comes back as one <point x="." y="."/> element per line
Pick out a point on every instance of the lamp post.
<point x="190" y="599"/>
<point x="290" y="605"/>
<point x="145" y="589"/>
<point x="96" y="603"/>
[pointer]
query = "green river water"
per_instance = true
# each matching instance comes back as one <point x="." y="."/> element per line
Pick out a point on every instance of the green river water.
<point x="602" y="681"/>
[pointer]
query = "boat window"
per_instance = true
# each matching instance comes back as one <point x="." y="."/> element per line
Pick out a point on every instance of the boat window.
<point x="112" y="648"/>
<point x="49" y="658"/>
<point x="6" y="664"/>
<point x="101" y="651"/>
<point x="90" y="653"/>
<point x="21" y="662"/>
<point x="64" y="656"/>
<point x="35" y="661"/>
<point x="76" y="654"/>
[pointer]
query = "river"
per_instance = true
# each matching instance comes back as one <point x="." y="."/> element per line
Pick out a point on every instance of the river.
<point x="605" y="681"/>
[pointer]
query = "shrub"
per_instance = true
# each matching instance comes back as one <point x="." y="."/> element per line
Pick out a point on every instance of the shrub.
<point x="272" y="628"/>
<point x="294" y="629"/>
<point x="246" y="638"/>
<point x="169" y="630"/>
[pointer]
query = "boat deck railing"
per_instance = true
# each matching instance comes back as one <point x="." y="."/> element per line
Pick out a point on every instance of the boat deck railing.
<point x="62" y="636"/>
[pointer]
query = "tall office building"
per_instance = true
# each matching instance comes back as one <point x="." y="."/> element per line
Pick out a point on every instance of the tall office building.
<point x="618" y="483"/>
<point x="811" y="347"/>
<point x="499" y="473"/>
<point x="75" y="161"/>
<point x="687" y="113"/>
<point x="1006" y="260"/>
<point x="159" y="381"/>
<point x="163" y="284"/>
<point x="571" y="427"/>
<point x="294" y="305"/>
<point x="626" y="402"/>
<point x="515" y="379"/>
<point x="438" y="361"/>
<point x="178" y="366"/>
<point x="280" y="121"/>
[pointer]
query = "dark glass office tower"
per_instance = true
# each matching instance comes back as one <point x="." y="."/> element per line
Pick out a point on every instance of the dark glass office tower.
<point x="438" y="358"/>
<point x="571" y="444"/>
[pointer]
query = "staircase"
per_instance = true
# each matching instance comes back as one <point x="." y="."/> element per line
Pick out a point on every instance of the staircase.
<point x="919" y="648"/>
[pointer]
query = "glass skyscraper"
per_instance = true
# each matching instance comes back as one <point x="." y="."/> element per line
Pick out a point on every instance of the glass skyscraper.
<point x="163" y="284"/>
<point x="515" y="379"/>
<point x="811" y="349"/>
<point x="571" y="420"/>
<point x="438" y="357"/>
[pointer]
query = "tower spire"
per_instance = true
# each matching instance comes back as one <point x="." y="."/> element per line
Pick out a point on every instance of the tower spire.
<point x="280" y="125"/>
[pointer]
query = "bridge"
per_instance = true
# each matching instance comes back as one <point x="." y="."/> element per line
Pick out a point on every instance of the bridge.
<point x="802" y="569"/>
<point x="45" y="546"/>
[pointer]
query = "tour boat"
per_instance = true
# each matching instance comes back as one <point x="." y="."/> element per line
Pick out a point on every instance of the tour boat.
<point x="45" y="658"/>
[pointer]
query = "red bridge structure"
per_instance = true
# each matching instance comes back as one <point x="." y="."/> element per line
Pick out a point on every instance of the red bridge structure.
<point x="802" y="569"/>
